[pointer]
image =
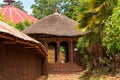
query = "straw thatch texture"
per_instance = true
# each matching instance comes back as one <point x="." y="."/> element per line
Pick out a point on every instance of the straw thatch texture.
<point x="55" y="24"/>
<point x="19" y="37"/>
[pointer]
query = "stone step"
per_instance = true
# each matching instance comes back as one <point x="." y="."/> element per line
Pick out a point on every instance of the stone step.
<point x="69" y="76"/>
<point x="64" y="68"/>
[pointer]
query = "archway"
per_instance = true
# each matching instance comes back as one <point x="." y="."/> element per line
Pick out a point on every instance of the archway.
<point x="52" y="52"/>
<point x="64" y="52"/>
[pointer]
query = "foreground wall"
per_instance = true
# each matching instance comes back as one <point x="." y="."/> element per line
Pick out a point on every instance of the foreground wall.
<point x="19" y="63"/>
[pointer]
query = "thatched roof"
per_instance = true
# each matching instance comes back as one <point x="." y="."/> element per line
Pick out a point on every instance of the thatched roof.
<point x="55" y="24"/>
<point x="13" y="36"/>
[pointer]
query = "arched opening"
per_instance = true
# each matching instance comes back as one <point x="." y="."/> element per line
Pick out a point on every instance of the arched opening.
<point x="64" y="52"/>
<point x="52" y="52"/>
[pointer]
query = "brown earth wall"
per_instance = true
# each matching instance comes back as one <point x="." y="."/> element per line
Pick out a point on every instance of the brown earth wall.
<point x="18" y="63"/>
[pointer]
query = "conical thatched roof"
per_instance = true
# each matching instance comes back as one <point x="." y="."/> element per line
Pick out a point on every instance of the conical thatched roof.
<point x="55" y="24"/>
<point x="15" y="37"/>
<point x="16" y="15"/>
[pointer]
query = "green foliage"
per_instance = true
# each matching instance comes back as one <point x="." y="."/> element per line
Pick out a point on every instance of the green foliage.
<point x="10" y="22"/>
<point x="71" y="8"/>
<point x="82" y="46"/>
<point x="42" y="8"/>
<point x="1" y="17"/>
<point x="92" y="22"/>
<point x="111" y="38"/>
<point x="93" y="19"/>
<point x="62" y="49"/>
<point x="19" y="5"/>
<point x="20" y="26"/>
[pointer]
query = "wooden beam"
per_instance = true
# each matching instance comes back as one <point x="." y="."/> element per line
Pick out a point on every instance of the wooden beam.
<point x="6" y="37"/>
<point x="24" y="42"/>
<point x="30" y="47"/>
<point x="9" y="42"/>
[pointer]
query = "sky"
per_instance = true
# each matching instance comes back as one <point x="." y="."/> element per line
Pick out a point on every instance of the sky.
<point x="26" y="3"/>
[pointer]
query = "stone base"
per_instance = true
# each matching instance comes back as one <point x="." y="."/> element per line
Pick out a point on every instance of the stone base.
<point x="64" y="68"/>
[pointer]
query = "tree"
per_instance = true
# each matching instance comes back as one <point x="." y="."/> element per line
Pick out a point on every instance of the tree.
<point x="92" y="22"/>
<point x="111" y="38"/>
<point x="71" y="9"/>
<point x="42" y="8"/>
<point x="19" y="5"/>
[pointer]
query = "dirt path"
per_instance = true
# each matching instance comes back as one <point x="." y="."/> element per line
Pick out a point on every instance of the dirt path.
<point x="70" y="76"/>
<point x="75" y="76"/>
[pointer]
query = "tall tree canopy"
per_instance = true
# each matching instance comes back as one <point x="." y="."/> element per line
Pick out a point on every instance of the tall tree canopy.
<point x="111" y="38"/>
<point x="42" y="8"/>
<point x="94" y="16"/>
